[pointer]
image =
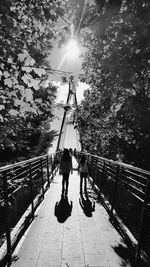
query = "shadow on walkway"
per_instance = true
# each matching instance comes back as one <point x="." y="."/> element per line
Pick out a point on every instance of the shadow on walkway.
<point x="81" y="233"/>
<point x="126" y="255"/>
<point x="63" y="209"/>
<point x="86" y="204"/>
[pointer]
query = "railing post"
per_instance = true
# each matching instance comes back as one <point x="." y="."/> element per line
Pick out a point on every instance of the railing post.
<point x="143" y="219"/>
<point x="7" y="213"/>
<point x="115" y="190"/>
<point x="42" y="178"/>
<point x="95" y="173"/>
<point x="52" y="167"/>
<point x="103" y="175"/>
<point x="31" y="190"/>
<point x="48" y="171"/>
<point x="89" y="167"/>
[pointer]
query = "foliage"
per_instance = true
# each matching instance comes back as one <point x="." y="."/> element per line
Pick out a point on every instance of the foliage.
<point x="28" y="30"/>
<point x="113" y="118"/>
<point x="46" y="139"/>
<point x="24" y="137"/>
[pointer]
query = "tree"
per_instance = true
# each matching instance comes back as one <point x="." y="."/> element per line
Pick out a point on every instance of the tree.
<point x="22" y="136"/>
<point x="28" y="31"/>
<point x="116" y="65"/>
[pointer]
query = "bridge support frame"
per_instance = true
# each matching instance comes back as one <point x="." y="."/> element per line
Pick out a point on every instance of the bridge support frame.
<point x="72" y="91"/>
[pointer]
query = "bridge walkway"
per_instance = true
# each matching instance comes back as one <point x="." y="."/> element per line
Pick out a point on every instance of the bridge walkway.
<point x="66" y="235"/>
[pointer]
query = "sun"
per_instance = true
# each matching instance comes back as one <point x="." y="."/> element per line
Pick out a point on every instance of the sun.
<point x="72" y="49"/>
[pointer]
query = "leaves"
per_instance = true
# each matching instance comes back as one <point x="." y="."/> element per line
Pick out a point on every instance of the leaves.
<point x="2" y="107"/>
<point x="27" y="31"/>
<point x="113" y="118"/>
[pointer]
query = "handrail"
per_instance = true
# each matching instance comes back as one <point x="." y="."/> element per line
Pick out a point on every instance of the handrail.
<point x="119" y="163"/>
<point x="125" y="187"/>
<point x="20" y="184"/>
<point x="13" y="165"/>
<point x="125" y="190"/>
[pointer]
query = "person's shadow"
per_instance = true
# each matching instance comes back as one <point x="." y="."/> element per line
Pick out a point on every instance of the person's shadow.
<point x="86" y="204"/>
<point x="63" y="209"/>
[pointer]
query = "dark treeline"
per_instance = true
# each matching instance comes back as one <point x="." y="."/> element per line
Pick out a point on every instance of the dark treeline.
<point x="114" y="116"/>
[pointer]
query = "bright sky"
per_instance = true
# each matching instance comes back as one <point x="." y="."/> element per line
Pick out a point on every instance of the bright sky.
<point x="60" y="61"/>
<point x="70" y="138"/>
<point x="62" y="92"/>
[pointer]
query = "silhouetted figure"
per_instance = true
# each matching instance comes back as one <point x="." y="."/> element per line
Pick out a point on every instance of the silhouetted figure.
<point x="65" y="169"/>
<point x="63" y="209"/>
<point x="87" y="205"/>
<point x="83" y="170"/>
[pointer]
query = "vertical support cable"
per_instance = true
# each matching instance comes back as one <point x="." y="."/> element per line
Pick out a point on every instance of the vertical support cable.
<point x="7" y="213"/>
<point x="42" y="178"/>
<point x="31" y="190"/>
<point x="47" y="160"/>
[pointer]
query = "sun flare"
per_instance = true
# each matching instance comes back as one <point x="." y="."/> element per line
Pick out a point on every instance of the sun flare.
<point x="72" y="48"/>
<point x="71" y="51"/>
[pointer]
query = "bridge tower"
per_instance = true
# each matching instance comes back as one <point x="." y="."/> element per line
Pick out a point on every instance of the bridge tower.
<point x="67" y="108"/>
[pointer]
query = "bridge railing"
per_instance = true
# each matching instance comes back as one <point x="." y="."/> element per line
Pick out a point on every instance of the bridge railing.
<point x="22" y="187"/>
<point x="126" y="193"/>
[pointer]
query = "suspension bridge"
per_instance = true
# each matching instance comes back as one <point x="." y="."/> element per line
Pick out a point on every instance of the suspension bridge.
<point x="105" y="226"/>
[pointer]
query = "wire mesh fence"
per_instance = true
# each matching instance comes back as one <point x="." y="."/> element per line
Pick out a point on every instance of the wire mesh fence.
<point x="22" y="187"/>
<point x="126" y="192"/>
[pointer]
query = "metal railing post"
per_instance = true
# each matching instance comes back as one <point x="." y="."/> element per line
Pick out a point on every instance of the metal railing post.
<point x="115" y="190"/>
<point x="89" y="167"/>
<point x="95" y="173"/>
<point x="52" y="167"/>
<point x="42" y="178"/>
<point x="92" y="175"/>
<point x="103" y="175"/>
<point x="31" y="190"/>
<point x="48" y="171"/>
<point x="7" y="213"/>
<point x="141" y="228"/>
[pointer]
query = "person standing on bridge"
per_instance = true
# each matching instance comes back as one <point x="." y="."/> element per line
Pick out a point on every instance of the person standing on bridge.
<point x="83" y="170"/>
<point x="65" y="169"/>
